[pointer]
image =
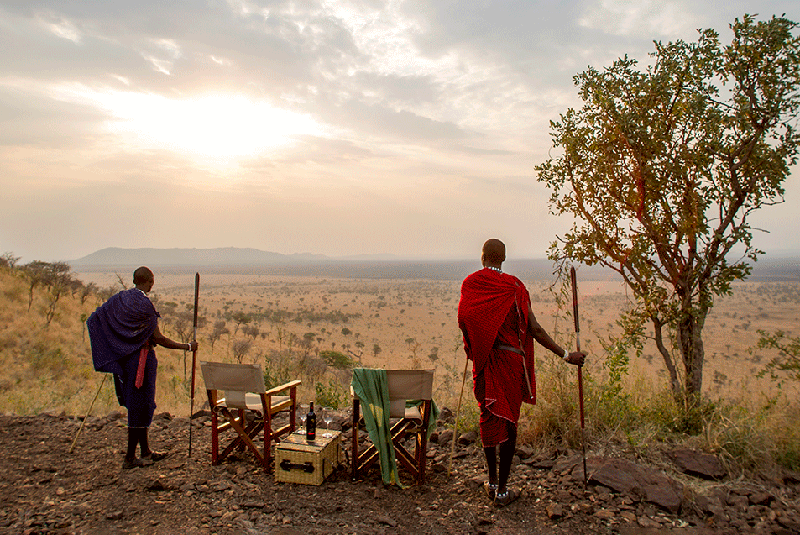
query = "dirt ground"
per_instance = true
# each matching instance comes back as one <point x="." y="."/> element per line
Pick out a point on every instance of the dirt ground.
<point x="45" y="489"/>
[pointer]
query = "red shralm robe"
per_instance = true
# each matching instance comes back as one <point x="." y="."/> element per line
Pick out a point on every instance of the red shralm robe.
<point x="491" y="301"/>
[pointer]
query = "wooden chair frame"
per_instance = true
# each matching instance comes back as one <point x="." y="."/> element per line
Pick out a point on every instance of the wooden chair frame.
<point x="412" y="421"/>
<point x="246" y="394"/>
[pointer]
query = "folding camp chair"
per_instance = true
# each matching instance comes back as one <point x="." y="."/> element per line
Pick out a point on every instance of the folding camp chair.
<point x="246" y="398"/>
<point x="413" y="421"/>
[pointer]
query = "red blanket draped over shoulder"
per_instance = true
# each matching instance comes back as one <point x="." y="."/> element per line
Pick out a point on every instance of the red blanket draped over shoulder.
<point x="487" y="298"/>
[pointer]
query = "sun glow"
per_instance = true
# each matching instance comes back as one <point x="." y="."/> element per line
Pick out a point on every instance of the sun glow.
<point x="216" y="127"/>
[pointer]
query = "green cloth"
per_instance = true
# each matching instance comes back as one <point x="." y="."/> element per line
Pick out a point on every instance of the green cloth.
<point x="434" y="414"/>
<point x="372" y="387"/>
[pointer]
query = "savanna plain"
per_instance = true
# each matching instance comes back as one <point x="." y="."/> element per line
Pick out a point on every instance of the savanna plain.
<point x="317" y="327"/>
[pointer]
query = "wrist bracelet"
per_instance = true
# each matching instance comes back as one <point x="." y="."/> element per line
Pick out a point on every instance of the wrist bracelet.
<point x="566" y="354"/>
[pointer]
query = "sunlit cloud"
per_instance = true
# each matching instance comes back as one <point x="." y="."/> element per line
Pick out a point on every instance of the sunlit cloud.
<point x="60" y="27"/>
<point x="160" y="65"/>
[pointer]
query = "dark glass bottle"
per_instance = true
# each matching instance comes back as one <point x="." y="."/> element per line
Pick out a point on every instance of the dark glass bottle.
<point x="311" y="423"/>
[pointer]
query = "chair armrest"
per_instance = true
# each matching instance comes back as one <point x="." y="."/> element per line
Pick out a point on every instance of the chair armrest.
<point x="281" y="388"/>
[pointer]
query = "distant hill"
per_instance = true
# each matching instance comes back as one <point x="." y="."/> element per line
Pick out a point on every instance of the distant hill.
<point x="226" y="256"/>
<point x="234" y="260"/>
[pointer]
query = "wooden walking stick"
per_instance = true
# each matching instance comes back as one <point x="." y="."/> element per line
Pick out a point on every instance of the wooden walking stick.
<point x="580" y="368"/>
<point x="194" y="356"/>
<point x="83" y="422"/>
<point x="455" y="428"/>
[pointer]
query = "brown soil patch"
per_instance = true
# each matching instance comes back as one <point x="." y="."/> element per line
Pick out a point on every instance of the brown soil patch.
<point x="44" y="489"/>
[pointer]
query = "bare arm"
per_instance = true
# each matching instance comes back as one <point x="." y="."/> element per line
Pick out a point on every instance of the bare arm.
<point x="541" y="336"/>
<point x="161" y="340"/>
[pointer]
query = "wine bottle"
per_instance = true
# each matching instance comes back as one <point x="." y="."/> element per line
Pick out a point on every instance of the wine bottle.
<point x="311" y="423"/>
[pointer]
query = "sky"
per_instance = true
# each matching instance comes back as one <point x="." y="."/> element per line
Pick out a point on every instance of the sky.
<point x="403" y="127"/>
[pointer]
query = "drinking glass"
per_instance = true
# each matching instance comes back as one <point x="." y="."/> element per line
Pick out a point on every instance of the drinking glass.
<point x="302" y="410"/>
<point x="327" y="417"/>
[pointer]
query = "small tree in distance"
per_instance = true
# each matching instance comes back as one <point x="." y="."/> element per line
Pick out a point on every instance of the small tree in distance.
<point x="661" y="170"/>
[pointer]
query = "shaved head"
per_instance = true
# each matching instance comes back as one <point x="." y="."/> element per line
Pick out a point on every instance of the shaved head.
<point x="142" y="275"/>
<point x="493" y="252"/>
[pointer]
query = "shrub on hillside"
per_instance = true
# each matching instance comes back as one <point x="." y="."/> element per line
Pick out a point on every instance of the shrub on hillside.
<point x="337" y="360"/>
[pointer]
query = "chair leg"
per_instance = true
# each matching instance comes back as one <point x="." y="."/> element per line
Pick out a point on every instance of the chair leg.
<point x="244" y="436"/>
<point x="214" y="438"/>
<point x="354" y="450"/>
<point x="422" y="440"/>
<point x="267" y="439"/>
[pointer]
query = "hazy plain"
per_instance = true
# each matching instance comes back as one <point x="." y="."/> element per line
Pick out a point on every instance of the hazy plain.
<point x="401" y="321"/>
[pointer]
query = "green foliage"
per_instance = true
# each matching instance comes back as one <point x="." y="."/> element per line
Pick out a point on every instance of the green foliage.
<point x="469" y="418"/>
<point x="276" y="374"/>
<point x="787" y="363"/>
<point x="337" y="360"/>
<point x="661" y="170"/>
<point x="331" y="394"/>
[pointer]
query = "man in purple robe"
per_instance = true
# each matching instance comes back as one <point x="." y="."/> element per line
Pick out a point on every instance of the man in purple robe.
<point x="124" y="332"/>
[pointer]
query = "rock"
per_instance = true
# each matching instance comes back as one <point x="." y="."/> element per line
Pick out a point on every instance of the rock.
<point x="761" y="498"/>
<point x="708" y="504"/>
<point x="631" y="479"/>
<point x="629" y="516"/>
<point x="698" y="464"/>
<point x="114" y="515"/>
<point x="565" y="465"/>
<point x="648" y="522"/>
<point x="605" y="514"/>
<point x="285" y="530"/>
<point x="539" y="463"/>
<point x="554" y="511"/>
<point x="468" y="438"/>
<point x="444" y="438"/>
<point x="524" y="451"/>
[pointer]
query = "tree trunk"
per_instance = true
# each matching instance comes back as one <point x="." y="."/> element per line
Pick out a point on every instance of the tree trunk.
<point x="674" y="383"/>
<point x="690" y="342"/>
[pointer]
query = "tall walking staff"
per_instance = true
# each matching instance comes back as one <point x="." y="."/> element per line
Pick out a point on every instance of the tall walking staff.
<point x="580" y="368"/>
<point x="455" y="427"/>
<point x="194" y="356"/>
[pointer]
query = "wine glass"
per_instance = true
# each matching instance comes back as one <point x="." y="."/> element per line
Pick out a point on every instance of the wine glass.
<point x="327" y="417"/>
<point x="302" y="410"/>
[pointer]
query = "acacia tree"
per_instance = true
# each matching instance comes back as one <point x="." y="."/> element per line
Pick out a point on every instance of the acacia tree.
<point x="661" y="170"/>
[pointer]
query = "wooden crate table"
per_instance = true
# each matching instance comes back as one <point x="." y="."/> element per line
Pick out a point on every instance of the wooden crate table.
<point x="300" y="461"/>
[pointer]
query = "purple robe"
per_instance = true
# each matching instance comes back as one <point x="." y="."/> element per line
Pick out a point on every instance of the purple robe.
<point x="118" y="330"/>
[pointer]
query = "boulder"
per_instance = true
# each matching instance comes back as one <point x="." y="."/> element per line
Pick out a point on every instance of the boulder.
<point x="640" y="482"/>
<point x="697" y="463"/>
<point x="467" y="438"/>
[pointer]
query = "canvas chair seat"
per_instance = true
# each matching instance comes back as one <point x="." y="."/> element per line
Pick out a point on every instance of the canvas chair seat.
<point x="247" y="407"/>
<point x="411" y="421"/>
<point x="253" y="403"/>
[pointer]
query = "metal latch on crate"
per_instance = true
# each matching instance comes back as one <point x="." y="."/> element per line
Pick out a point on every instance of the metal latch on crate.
<point x="287" y="466"/>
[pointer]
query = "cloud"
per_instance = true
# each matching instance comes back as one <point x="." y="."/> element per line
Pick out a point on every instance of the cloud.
<point x="646" y="18"/>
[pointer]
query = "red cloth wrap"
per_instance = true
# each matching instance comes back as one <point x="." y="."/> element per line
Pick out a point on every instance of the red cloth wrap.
<point x="491" y="301"/>
<point x="140" y="369"/>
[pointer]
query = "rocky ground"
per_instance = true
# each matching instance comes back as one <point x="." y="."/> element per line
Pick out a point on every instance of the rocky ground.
<point x="45" y="489"/>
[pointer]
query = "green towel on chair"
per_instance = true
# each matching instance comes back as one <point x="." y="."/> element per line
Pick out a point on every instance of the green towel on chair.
<point x="372" y="388"/>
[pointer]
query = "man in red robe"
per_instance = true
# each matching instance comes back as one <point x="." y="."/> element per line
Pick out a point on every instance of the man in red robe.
<point x="499" y="329"/>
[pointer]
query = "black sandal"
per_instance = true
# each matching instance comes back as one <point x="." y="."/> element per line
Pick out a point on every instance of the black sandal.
<point x="501" y="499"/>
<point x="491" y="490"/>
